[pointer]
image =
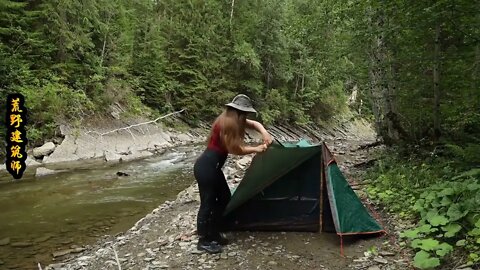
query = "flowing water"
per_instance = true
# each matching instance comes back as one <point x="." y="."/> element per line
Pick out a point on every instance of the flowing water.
<point x="68" y="210"/>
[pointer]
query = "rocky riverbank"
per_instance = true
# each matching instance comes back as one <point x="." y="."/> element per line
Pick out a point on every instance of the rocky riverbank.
<point x="166" y="237"/>
<point x="111" y="142"/>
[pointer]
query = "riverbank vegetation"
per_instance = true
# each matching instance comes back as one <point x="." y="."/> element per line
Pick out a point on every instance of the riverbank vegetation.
<point x="425" y="95"/>
<point x="413" y="67"/>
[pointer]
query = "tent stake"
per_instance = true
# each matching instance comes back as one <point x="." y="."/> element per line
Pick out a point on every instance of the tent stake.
<point x="341" y="247"/>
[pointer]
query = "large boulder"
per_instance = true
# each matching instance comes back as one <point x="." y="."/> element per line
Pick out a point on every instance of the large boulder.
<point x="44" y="150"/>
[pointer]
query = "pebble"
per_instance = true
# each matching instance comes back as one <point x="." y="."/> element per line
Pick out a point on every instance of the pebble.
<point x="386" y="253"/>
<point x="184" y="244"/>
<point x="381" y="260"/>
<point x="374" y="268"/>
<point x="141" y="254"/>
<point x="272" y="263"/>
<point x="231" y="254"/>
<point x="195" y="251"/>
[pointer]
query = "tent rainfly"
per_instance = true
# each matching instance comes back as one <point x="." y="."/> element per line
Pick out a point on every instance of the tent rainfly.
<point x="297" y="187"/>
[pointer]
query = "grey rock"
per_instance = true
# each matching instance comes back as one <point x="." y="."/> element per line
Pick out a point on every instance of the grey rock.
<point x="30" y="162"/>
<point x="184" y="138"/>
<point x="5" y="241"/>
<point x="21" y="244"/>
<point x="195" y="251"/>
<point x="386" y="253"/>
<point x="44" y="172"/>
<point x="62" y="253"/>
<point x="135" y="155"/>
<point x="55" y="266"/>
<point x="43" y="238"/>
<point x="44" y="150"/>
<point x="243" y="162"/>
<point x="374" y="268"/>
<point x="381" y="260"/>
<point x="112" y="156"/>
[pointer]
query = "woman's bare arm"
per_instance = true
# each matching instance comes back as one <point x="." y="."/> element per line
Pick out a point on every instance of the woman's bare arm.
<point x="267" y="138"/>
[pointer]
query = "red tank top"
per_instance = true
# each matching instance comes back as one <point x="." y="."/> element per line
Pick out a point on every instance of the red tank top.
<point x="215" y="142"/>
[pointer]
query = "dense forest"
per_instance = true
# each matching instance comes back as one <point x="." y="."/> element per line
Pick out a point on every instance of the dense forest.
<point x="414" y="66"/>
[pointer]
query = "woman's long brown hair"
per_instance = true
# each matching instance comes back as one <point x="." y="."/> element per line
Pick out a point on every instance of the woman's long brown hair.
<point x="232" y="124"/>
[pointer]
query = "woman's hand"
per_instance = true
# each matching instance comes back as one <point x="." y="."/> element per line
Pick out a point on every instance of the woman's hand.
<point x="267" y="138"/>
<point x="261" y="148"/>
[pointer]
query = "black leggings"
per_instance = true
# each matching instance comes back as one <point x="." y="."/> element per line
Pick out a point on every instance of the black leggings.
<point x="214" y="193"/>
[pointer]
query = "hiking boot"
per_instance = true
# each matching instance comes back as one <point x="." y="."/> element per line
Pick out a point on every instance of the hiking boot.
<point x="211" y="247"/>
<point x="222" y="240"/>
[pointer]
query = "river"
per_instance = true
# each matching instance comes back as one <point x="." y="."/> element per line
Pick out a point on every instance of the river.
<point x="40" y="216"/>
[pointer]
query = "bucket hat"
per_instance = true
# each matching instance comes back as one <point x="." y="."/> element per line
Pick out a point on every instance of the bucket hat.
<point x="242" y="103"/>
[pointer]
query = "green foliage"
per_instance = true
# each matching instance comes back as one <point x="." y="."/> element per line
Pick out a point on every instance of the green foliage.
<point x="50" y="104"/>
<point x="443" y="201"/>
<point x="173" y="55"/>
<point x="423" y="260"/>
<point x="402" y="64"/>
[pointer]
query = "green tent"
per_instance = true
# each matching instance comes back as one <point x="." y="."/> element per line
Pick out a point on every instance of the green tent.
<point x="297" y="187"/>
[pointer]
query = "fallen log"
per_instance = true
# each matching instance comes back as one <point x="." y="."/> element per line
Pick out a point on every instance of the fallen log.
<point x="370" y="145"/>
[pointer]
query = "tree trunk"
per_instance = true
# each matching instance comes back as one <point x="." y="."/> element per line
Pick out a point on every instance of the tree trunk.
<point x="103" y="50"/>
<point x="296" y="87"/>
<point x="231" y="14"/>
<point x="303" y="83"/>
<point x="476" y="71"/>
<point x="436" y="86"/>
<point x="383" y="86"/>
<point x="376" y="73"/>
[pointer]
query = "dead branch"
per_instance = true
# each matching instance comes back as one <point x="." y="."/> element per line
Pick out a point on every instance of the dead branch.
<point x="366" y="163"/>
<point x="127" y="128"/>
<point x="116" y="258"/>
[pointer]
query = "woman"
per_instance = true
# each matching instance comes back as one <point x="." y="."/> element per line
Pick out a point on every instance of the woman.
<point x="226" y="137"/>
